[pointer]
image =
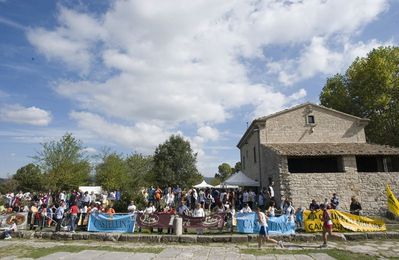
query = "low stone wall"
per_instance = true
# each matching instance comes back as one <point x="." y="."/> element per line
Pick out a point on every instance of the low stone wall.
<point x="192" y="239"/>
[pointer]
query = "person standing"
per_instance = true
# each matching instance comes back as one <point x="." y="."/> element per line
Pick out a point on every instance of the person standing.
<point x="59" y="214"/>
<point x="328" y="226"/>
<point x="73" y="210"/>
<point x="199" y="213"/>
<point x="263" y="232"/>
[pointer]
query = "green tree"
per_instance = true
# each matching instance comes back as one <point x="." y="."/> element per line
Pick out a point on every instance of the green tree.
<point x="64" y="163"/>
<point x="29" y="178"/>
<point x="224" y="171"/>
<point x="237" y="167"/>
<point x="112" y="173"/>
<point x="369" y="88"/>
<point x="175" y="163"/>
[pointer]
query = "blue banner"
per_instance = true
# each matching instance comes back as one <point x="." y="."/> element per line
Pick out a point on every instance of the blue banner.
<point x="248" y="223"/>
<point x="100" y="222"/>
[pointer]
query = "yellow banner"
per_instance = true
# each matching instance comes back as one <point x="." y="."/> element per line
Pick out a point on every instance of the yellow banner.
<point x="342" y="222"/>
<point x="393" y="203"/>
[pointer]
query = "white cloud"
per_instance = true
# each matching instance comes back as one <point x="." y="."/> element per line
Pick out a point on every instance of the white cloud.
<point x="173" y="63"/>
<point x="90" y="150"/>
<point x="317" y="58"/>
<point x="141" y="136"/>
<point x="25" y="115"/>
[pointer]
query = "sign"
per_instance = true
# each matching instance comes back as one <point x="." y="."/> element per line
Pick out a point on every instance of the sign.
<point x="215" y="220"/>
<point x="342" y="222"/>
<point x="248" y="223"/>
<point x="100" y="222"/>
<point x="7" y="220"/>
<point x="164" y="220"/>
<point x="393" y="203"/>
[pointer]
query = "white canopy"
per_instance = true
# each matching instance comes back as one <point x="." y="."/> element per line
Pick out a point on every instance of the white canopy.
<point x="89" y="189"/>
<point x="225" y="186"/>
<point x="240" y="179"/>
<point x="203" y="184"/>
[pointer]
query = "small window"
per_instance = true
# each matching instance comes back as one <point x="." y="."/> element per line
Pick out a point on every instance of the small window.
<point x="254" y="154"/>
<point x="311" y="120"/>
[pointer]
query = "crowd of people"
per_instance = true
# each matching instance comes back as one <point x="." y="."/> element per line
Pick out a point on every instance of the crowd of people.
<point x="50" y="209"/>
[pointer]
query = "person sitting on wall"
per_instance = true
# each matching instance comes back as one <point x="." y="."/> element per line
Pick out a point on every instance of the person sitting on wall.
<point x="246" y="209"/>
<point x="7" y="233"/>
<point x="355" y="206"/>
<point x="314" y="205"/>
<point x="334" y="201"/>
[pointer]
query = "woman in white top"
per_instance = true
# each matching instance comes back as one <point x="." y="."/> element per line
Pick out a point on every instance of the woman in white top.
<point x="199" y="213"/>
<point x="272" y="209"/>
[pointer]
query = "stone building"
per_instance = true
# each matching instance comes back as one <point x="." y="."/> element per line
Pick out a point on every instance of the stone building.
<point x="311" y="152"/>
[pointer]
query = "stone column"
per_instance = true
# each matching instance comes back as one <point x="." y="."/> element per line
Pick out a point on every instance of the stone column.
<point x="178" y="226"/>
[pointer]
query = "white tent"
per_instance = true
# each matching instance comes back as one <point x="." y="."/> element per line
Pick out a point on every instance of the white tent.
<point x="203" y="184"/>
<point x="89" y="189"/>
<point x="225" y="186"/>
<point x="240" y="179"/>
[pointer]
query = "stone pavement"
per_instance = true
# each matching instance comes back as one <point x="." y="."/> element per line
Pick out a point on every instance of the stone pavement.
<point x="375" y="248"/>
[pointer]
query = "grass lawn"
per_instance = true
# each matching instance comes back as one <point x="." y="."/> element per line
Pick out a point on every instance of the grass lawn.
<point x="34" y="252"/>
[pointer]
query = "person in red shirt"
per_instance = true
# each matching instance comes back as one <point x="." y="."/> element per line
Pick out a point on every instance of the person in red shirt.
<point x="73" y="210"/>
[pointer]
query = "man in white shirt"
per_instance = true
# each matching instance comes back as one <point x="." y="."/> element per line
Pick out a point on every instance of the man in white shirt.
<point x="263" y="232"/>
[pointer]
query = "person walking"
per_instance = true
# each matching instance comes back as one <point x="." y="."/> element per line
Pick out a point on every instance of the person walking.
<point x="328" y="226"/>
<point x="263" y="232"/>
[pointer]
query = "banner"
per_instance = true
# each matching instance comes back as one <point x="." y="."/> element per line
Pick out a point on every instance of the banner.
<point x="393" y="203"/>
<point x="342" y="222"/>
<point x="163" y="220"/>
<point x="100" y="222"/>
<point x="7" y="220"/>
<point x="215" y="220"/>
<point x="248" y="223"/>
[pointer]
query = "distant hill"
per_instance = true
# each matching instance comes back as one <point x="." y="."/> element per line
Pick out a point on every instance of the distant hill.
<point x="208" y="179"/>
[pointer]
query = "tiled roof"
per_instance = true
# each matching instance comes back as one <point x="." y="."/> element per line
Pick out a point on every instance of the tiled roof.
<point x="323" y="149"/>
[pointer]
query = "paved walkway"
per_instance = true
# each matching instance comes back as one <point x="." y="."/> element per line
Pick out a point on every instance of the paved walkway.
<point x="377" y="249"/>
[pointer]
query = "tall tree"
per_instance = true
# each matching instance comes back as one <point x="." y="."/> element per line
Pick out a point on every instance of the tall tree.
<point x="64" y="163"/>
<point x="175" y="163"/>
<point x="112" y="173"/>
<point x="369" y="88"/>
<point x="224" y="171"/>
<point x="29" y="178"/>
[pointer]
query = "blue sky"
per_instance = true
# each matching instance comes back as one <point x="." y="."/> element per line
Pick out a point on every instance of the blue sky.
<point x="128" y="74"/>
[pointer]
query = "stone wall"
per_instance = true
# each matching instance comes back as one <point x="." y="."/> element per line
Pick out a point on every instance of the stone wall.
<point x="368" y="188"/>
<point x="251" y="168"/>
<point x="373" y="196"/>
<point x="330" y="127"/>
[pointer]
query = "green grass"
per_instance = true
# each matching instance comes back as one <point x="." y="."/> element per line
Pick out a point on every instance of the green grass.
<point x="336" y="253"/>
<point x="34" y="252"/>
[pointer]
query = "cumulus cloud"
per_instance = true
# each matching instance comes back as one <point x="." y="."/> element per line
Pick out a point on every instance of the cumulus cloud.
<point x="172" y="63"/>
<point x="25" y="115"/>
<point x="140" y="136"/>
<point x="318" y="57"/>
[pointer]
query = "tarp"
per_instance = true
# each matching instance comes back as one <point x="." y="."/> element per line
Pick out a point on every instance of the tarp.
<point x="89" y="189"/>
<point x="248" y="223"/>
<point x="393" y="204"/>
<point x="342" y="222"/>
<point x="240" y="179"/>
<point x="203" y="184"/>
<point x="100" y="222"/>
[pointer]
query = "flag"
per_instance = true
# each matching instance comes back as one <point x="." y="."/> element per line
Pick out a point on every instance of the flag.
<point x="393" y="203"/>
